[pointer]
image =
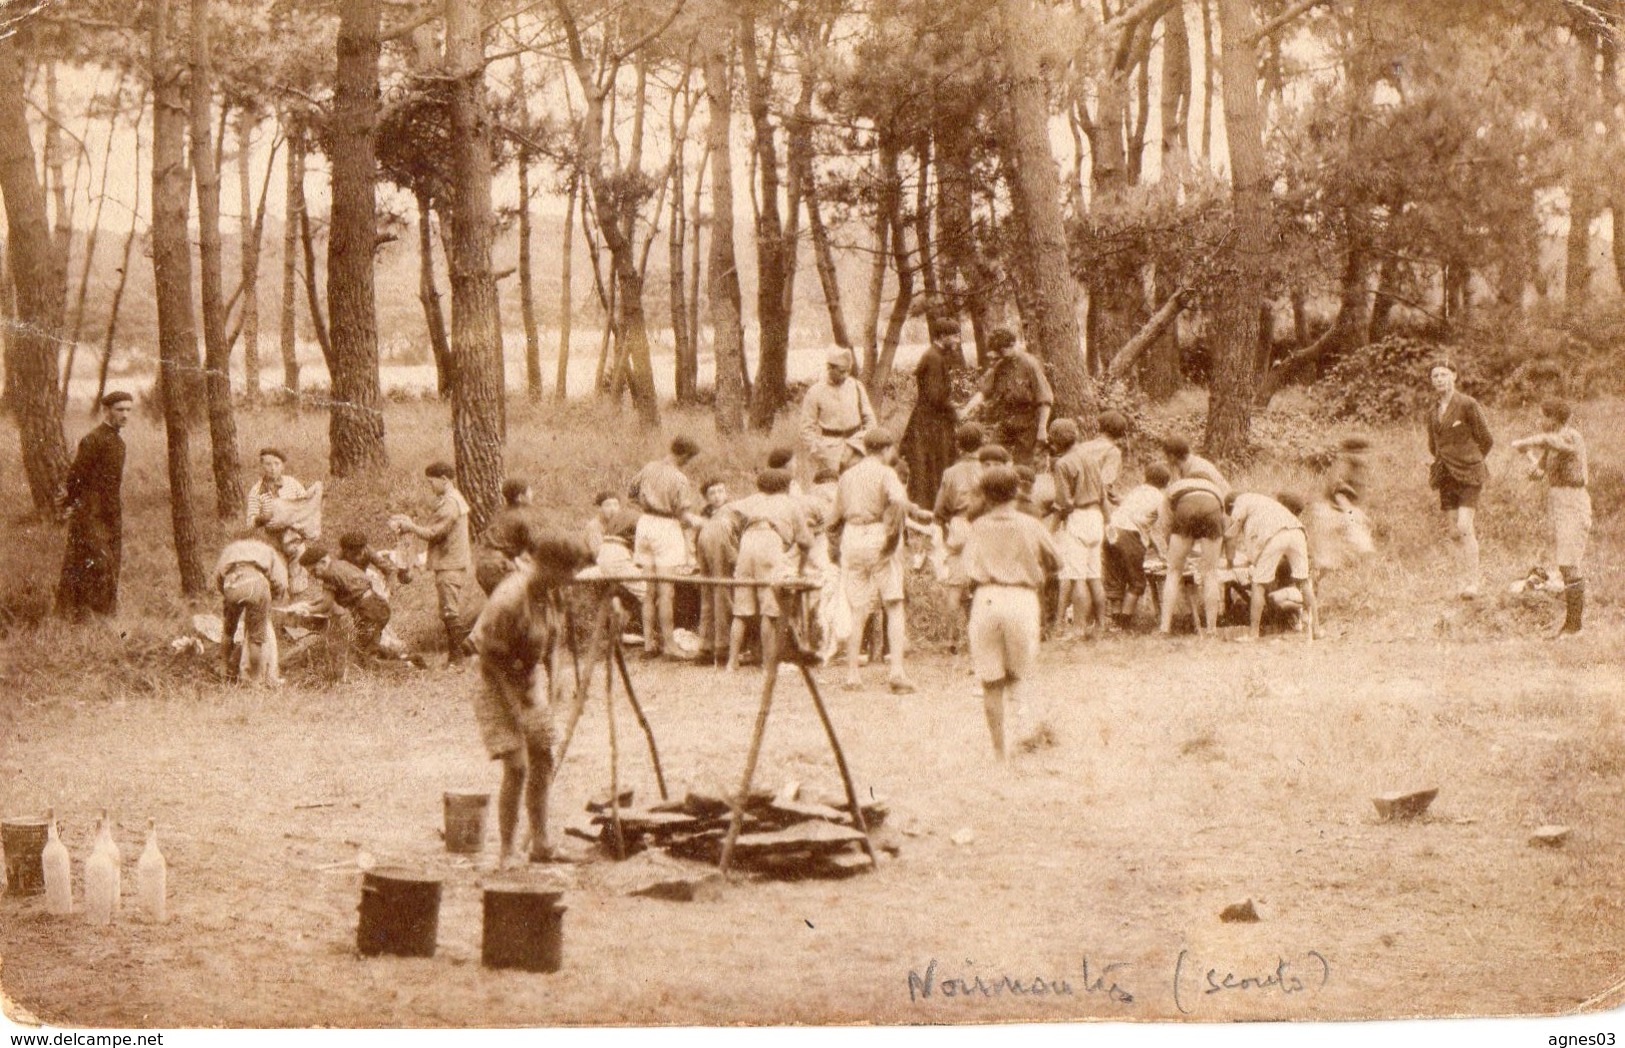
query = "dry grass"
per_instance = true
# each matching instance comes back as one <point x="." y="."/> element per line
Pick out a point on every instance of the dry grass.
<point x="1174" y="778"/>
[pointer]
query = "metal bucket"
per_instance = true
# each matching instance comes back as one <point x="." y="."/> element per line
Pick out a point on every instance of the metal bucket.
<point x="24" y="842"/>
<point x="524" y="928"/>
<point x="400" y="913"/>
<point x="465" y="821"/>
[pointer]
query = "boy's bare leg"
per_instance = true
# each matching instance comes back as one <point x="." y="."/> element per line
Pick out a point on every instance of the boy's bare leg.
<point x="513" y="783"/>
<point x="770" y="639"/>
<point x="666" y="596"/>
<point x="540" y="754"/>
<point x="1255" y="610"/>
<point x="736" y="641"/>
<point x="1211" y="590"/>
<point x="651" y="627"/>
<point x="1311" y="608"/>
<point x="896" y="638"/>
<point x="993" y="707"/>
<point x="1179" y="547"/>
<point x="1097" y="595"/>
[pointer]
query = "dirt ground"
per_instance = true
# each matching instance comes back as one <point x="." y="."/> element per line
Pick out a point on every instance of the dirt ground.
<point x="1184" y="776"/>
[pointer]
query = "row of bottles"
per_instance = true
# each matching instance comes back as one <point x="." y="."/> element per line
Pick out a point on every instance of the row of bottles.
<point x="103" y="888"/>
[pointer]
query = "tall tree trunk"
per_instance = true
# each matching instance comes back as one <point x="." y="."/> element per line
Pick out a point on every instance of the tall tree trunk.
<point x="288" y="315"/>
<point x="926" y="264"/>
<point x="772" y="269"/>
<point x="123" y="271"/>
<point x="172" y="283"/>
<point x="561" y="386"/>
<point x="8" y="322"/>
<point x="356" y="425"/>
<point x="527" y="291"/>
<point x="1176" y="95"/>
<point x="799" y="150"/>
<point x="904" y="267"/>
<point x="727" y="325"/>
<point x="228" y="486"/>
<point x="249" y="229"/>
<point x="967" y="290"/>
<point x="62" y="219"/>
<point x="886" y="204"/>
<point x="696" y="225"/>
<point x="1383" y="303"/>
<point x="1207" y="82"/>
<point x="37" y="269"/>
<point x="1038" y="198"/>
<point x="685" y="363"/>
<point x="1577" y="264"/>
<point x="313" y="294"/>
<point x="434" y="317"/>
<point x="476" y="325"/>
<point x="1235" y="314"/>
<point x="92" y="235"/>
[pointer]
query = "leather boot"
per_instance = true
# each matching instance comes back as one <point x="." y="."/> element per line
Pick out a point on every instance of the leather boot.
<point x="1574" y="603"/>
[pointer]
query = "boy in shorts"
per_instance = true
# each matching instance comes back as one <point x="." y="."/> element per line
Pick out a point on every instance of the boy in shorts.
<point x="773" y="527"/>
<point x="1007" y="559"/>
<point x="1080" y="529"/>
<point x="519" y="636"/>
<point x="1267" y="533"/>
<point x="1561" y="462"/>
<point x="659" y="546"/>
<point x="1128" y="536"/>
<point x="1192" y="511"/>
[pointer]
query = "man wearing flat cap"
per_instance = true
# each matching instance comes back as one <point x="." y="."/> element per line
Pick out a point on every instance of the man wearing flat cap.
<point x="835" y="414"/>
<point x="1014" y="396"/>
<point x="92" y="503"/>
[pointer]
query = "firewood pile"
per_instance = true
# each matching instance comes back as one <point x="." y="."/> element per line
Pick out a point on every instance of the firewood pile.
<point x="784" y="835"/>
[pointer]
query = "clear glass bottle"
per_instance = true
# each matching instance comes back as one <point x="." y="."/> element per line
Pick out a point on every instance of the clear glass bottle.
<point x="58" y="872"/>
<point x="152" y="877"/>
<point x="102" y="877"/>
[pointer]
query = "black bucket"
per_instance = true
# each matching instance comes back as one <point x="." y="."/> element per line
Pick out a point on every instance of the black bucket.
<point x="400" y="913"/>
<point x="524" y="928"/>
<point x="24" y="843"/>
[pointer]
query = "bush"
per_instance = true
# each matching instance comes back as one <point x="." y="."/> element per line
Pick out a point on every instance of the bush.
<point x="1388" y="380"/>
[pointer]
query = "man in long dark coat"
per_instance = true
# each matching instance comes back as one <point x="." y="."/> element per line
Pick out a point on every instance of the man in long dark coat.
<point x="92" y="501"/>
<point x="928" y="442"/>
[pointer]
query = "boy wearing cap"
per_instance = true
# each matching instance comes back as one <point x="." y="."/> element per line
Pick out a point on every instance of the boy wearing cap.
<point x="449" y="557"/>
<point x="659" y="546"/>
<point x="272" y="484"/>
<point x="835" y="411"/>
<point x="92" y="500"/>
<point x="1560" y="460"/>
<point x="346" y="586"/>
<point x="1007" y="559"/>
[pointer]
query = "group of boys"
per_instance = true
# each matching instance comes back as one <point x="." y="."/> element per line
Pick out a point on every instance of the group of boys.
<point x="278" y="556"/>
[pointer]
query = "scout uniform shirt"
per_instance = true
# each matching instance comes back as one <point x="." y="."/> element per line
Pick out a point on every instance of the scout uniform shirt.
<point x="663" y="490"/>
<point x="1009" y="548"/>
<point x="449" y="545"/>
<point x="840" y="412"/>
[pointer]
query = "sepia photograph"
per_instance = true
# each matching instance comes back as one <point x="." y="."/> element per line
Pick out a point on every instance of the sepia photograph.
<point x="538" y="514"/>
